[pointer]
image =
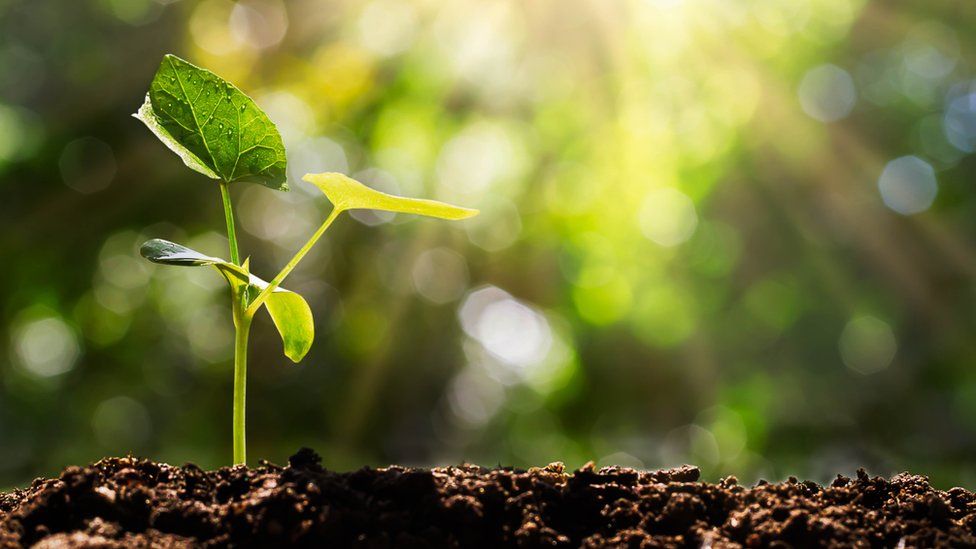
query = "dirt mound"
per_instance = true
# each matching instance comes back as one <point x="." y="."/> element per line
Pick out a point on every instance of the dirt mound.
<point x="127" y="502"/>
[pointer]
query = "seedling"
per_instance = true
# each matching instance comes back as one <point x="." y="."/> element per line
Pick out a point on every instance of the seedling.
<point x="221" y="133"/>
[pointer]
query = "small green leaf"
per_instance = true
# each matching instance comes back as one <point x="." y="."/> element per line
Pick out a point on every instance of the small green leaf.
<point x="348" y="194"/>
<point x="293" y="318"/>
<point x="162" y="251"/>
<point x="289" y="311"/>
<point x="214" y="127"/>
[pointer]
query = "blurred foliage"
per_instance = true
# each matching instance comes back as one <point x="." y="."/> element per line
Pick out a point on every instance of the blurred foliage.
<point x="730" y="233"/>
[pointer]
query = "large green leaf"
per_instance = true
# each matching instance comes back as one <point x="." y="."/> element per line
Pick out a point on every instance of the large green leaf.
<point x="346" y="193"/>
<point x="289" y="311"/>
<point x="214" y="127"/>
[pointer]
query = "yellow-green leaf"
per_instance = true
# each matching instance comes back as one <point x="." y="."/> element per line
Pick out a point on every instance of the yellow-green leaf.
<point x="293" y="318"/>
<point x="348" y="194"/>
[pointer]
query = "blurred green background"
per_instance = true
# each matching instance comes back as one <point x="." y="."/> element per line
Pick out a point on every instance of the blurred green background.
<point x="737" y="234"/>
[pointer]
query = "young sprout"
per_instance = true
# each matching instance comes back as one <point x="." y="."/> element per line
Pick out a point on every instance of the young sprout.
<point x="221" y="133"/>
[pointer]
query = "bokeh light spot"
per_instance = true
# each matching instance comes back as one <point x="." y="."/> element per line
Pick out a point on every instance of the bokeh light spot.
<point x="827" y="93"/>
<point x="440" y="275"/>
<point x="783" y="17"/>
<point x="46" y="346"/>
<point x="387" y="27"/>
<point x="690" y="444"/>
<point x="277" y="217"/>
<point x="605" y="302"/>
<point x="663" y="316"/>
<point x="210" y="333"/>
<point x="293" y="117"/>
<point x="931" y="139"/>
<point x="668" y="217"/>
<point x="20" y="133"/>
<point x="931" y="50"/>
<point x="908" y="185"/>
<point x="121" y="423"/>
<point x="133" y="12"/>
<point x="497" y="226"/>
<point x="867" y="345"/>
<point x="259" y="23"/>
<point x="87" y="165"/>
<point x="480" y="49"/>
<point x="475" y="160"/>
<point x="474" y="397"/>
<point x="344" y="73"/>
<point x="315" y="155"/>
<point x="506" y="327"/>
<point x="210" y="29"/>
<point x="727" y="427"/>
<point x="960" y="120"/>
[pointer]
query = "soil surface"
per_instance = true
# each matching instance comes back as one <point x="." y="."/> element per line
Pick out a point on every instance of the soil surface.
<point x="129" y="502"/>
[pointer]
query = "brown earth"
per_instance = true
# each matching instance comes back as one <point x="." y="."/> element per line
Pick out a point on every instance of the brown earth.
<point x="129" y="502"/>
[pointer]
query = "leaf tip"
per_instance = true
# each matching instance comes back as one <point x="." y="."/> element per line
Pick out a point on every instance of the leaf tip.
<point x="467" y="213"/>
<point x="319" y="179"/>
<point x="149" y="248"/>
<point x="296" y="352"/>
<point x="173" y="57"/>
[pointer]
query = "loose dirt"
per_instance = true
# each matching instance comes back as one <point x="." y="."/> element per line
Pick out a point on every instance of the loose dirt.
<point x="129" y="502"/>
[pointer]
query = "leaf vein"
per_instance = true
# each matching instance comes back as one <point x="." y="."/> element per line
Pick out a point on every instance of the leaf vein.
<point x="239" y="153"/>
<point x="194" y="114"/>
<point x="210" y="117"/>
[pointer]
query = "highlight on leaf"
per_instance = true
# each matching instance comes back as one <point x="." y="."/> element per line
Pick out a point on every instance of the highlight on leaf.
<point x="165" y="252"/>
<point x="346" y="193"/>
<point x="289" y="311"/>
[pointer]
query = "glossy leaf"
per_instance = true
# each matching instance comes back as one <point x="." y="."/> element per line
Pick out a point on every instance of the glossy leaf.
<point x="165" y="252"/>
<point x="214" y="127"/>
<point x="348" y="194"/>
<point x="289" y="311"/>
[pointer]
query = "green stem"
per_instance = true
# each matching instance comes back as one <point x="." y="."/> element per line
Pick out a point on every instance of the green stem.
<point x="235" y="257"/>
<point x="242" y="330"/>
<point x="276" y="281"/>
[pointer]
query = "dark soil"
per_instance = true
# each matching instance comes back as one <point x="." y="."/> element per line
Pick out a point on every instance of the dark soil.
<point x="128" y="502"/>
